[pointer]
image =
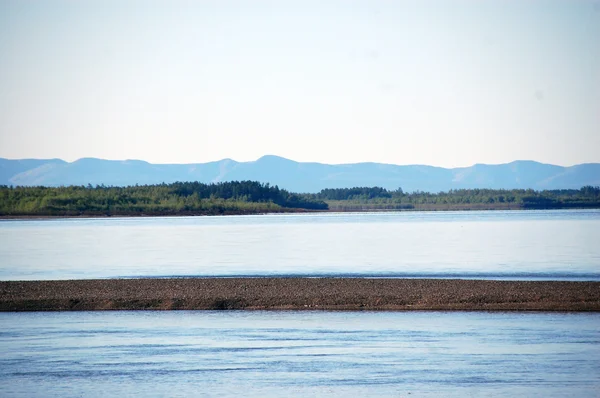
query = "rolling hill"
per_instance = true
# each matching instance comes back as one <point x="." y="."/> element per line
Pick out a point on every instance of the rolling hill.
<point x="299" y="176"/>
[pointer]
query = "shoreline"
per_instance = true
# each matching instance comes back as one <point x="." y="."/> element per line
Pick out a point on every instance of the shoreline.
<point x="296" y="211"/>
<point x="299" y="293"/>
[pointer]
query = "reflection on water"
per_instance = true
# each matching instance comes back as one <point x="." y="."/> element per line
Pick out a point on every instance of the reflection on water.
<point x="299" y="353"/>
<point x="522" y="244"/>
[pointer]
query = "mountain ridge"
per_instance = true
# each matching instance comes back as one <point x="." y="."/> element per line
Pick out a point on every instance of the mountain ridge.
<point x="300" y="176"/>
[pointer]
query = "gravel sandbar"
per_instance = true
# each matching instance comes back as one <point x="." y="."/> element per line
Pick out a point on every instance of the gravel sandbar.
<point x="298" y="294"/>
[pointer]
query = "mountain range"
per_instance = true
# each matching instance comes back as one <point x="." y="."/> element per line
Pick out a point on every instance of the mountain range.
<point x="299" y="176"/>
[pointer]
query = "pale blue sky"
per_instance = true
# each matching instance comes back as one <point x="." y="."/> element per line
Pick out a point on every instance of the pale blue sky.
<point x="447" y="83"/>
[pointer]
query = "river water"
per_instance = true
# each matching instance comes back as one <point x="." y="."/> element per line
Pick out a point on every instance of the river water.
<point x="232" y="353"/>
<point x="487" y="244"/>
<point x="235" y="353"/>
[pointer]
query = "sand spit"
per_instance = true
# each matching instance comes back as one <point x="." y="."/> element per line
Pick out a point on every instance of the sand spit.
<point x="299" y="294"/>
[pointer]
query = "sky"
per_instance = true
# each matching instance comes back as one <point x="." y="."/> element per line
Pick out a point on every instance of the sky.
<point x="444" y="83"/>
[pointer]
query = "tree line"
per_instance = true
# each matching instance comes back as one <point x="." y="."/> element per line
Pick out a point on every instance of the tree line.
<point x="248" y="197"/>
<point x="180" y="198"/>
<point x="377" y="197"/>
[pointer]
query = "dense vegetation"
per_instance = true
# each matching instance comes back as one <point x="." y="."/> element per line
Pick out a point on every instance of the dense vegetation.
<point x="379" y="198"/>
<point x="246" y="197"/>
<point x="164" y="199"/>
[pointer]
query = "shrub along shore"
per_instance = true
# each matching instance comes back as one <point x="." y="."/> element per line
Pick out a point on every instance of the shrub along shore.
<point x="251" y="197"/>
<point x="299" y="294"/>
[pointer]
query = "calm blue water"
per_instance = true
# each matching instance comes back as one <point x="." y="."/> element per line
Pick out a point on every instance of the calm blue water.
<point x="493" y="244"/>
<point x="187" y="354"/>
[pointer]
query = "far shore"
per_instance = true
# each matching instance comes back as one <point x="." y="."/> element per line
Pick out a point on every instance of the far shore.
<point x="352" y="294"/>
<point x="286" y="211"/>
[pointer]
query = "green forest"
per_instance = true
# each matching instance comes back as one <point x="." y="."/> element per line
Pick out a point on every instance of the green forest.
<point x="376" y="198"/>
<point x="251" y="197"/>
<point x="180" y="198"/>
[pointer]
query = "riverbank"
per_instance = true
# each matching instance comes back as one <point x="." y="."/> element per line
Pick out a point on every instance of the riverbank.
<point x="299" y="294"/>
<point x="13" y="217"/>
<point x="287" y="211"/>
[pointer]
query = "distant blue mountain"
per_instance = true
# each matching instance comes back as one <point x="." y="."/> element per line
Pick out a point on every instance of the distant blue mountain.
<point x="299" y="176"/>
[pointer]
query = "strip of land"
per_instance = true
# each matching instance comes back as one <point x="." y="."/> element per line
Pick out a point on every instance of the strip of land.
<point x="298" y="294"/>
<point x="253" y="197"/>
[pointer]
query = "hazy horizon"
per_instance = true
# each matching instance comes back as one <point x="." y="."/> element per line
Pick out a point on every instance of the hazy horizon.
<point x="298" y="161"/>
<point x="433" y="83"/>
